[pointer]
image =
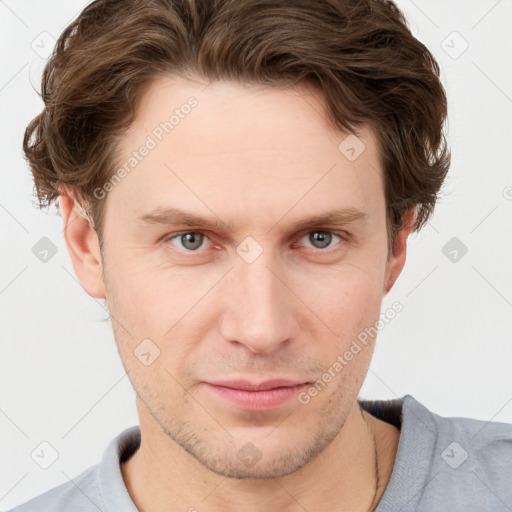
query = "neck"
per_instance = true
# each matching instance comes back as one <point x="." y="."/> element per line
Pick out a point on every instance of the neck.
<point x="350" y="474"/>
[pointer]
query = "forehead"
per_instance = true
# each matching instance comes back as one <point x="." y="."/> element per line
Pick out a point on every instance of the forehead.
<point x="243" y="148"/>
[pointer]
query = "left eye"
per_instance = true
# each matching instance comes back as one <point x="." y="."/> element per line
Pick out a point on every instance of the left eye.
<point x="321" y="239"/>
<point x="191" y="241"/>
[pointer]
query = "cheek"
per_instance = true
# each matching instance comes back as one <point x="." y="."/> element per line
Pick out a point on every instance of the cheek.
<point x="152" y="298"/>
<point x="162" y="305"/>
<point x="347" y="297"/>
<point x="351" y="309"/>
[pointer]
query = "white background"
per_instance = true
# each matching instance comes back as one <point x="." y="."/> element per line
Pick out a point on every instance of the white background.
<point x="61" y="377"/>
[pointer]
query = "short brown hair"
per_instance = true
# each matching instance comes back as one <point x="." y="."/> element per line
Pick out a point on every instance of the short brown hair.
<point x="359" y="53"/>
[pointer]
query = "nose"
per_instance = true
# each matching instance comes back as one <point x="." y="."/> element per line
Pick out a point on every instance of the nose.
<point x="258" y="306"/>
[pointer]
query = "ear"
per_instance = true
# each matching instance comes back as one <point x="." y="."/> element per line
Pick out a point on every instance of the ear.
<point x="396" y="261"/>
<point x="83" y="245"/>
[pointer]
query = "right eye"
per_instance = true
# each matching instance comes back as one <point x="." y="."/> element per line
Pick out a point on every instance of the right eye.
<point x="190" y="241"/>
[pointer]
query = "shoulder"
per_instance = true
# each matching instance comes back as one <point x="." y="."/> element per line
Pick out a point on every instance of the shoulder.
<point x="483" y="448"/>
<point x="445" y="463"/>
<point x="482" y="444"/>
<point x="100" y="487"/>
<point x="470" y="460"/>
<point x="80" y="494"/>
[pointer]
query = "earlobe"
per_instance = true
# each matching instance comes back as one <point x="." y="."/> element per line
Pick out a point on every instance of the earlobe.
<point x="396" y="261"/>
<point x="83" y="246"/>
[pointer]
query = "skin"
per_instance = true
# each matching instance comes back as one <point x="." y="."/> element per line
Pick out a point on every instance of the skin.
<point x="260" y="160"/>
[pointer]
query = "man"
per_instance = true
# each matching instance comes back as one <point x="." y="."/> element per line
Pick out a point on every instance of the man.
<point x="238" y="180"/>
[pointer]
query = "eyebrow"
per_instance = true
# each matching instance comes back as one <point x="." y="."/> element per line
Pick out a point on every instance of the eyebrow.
<point x="175" y="216"/>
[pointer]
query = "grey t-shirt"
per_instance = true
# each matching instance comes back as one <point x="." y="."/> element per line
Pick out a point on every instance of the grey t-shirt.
<point x="442" y="464"/>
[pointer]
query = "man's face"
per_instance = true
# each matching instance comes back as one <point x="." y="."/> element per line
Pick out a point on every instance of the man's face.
<point x="258" y="297"/>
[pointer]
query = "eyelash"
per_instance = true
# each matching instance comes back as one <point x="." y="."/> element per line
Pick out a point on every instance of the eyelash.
<point x="342" y="236"/>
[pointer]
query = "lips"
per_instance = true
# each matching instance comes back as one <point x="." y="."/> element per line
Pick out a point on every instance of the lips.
<point x="256" y="396"/>
<point x="253" y="386"/>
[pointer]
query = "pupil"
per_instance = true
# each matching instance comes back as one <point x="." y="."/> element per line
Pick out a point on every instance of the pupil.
<point x="194" y="239"/>
<point x="323" y="237"/>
